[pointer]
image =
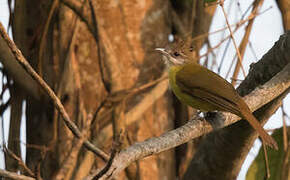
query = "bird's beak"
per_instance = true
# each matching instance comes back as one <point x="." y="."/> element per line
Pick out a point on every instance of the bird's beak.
<point x="160" y="49"/>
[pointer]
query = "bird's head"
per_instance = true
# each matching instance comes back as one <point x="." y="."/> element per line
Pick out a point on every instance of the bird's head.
<point x="177" y="53"/>
<point x="172" y="57"/>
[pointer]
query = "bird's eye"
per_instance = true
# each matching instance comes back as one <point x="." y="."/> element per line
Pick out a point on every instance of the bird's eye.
<point x="191" y="49"/>
<point x="176" y="54"/>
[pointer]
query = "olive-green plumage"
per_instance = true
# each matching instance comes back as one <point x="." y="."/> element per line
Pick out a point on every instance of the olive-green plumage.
<point x="205" y="90"/>
<point x="201" y="88"/>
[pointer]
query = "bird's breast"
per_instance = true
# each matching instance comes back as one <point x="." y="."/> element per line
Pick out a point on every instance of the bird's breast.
<point x="192" y="100"/>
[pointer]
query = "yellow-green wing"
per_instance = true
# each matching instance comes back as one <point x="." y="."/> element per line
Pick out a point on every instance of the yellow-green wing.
<point x="208" y="86"/>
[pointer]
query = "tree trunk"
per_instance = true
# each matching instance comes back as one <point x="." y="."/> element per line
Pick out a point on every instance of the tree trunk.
<point x="99" y="59"/>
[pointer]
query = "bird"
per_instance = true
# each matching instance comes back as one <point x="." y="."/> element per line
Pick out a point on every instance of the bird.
<point x="202" y="89"/>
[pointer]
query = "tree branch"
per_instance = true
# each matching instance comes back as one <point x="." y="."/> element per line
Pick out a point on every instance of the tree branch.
<point x="15" y="70"/>
<point x="197" y="126"/>
<point x="233" y="143"/>
<point x="19" y="58"/>
<point x="12" y="175"/>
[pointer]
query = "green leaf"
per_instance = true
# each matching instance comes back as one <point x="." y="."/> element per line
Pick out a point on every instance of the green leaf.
<point x="257" y="170"/>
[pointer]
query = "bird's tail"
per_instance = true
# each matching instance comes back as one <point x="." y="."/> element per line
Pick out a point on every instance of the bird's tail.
<point x="266" y="138"/>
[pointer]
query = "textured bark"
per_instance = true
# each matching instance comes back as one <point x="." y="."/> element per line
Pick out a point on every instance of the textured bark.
<point x="83" y="68"/>
<point x="94" y="54"/>
<point x="284" y="7"/>
<point x="27" y="26"/>
<point x="234" y="142"/>
<point x="14" y="129"/>
<point x="272" y="91"/>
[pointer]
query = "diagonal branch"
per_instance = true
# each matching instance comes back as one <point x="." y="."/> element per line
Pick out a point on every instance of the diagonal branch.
<point x="13" y="175"/>
<point x="232" y="36"/>
<point x="70" y="124"/>
<point x="19" y="161"/>
<point x="196" y="127"/>
<point x="84" y="15"/>
<point x="14" y="69"/>
<point x="242" y="48"/>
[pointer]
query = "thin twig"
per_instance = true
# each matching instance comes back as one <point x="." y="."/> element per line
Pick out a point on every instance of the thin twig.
<point x="70" y="124"/>
<point x="236" y="24"/>
<point x="149" y="84"/>
<point x="285" y="136"/>
<point x="228" y="42"/>
<point x="253" y="51"/>
<point x="54" y="5"/>
<point x="214" y="62"/>
<point x="223" y="56"/>
<point x="128" y="93"/>
<point x="108" y="165"/>
<point x="3" y="107"/>
<point x="95" y="24"/>
<point x="115" y="149"/>
<point x="19" y="161"/>
<point x="229" y="70"/>
<point x="138" y="110"/>
<point x="216" y="46"/>
<point x="12" y="175"/>
<point x="243" y="15"/>
<point x="266" y="161"/>
<point x="245" y="40"/>
<point x="277" y="86"/>
<point x="232" y="36"/>
<point x="75" y="6"/>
